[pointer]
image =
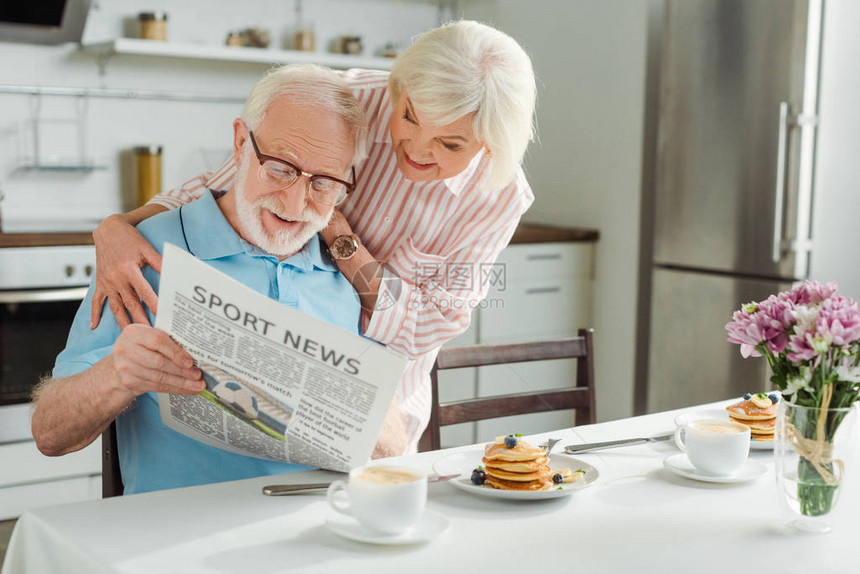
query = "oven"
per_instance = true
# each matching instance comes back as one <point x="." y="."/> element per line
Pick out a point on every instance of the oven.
<point x="41" y="289"/>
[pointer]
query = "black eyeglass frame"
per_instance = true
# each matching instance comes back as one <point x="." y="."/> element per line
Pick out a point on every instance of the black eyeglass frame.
<point x="263" y="158"/>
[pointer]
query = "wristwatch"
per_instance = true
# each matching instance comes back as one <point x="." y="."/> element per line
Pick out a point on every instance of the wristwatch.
<point x="343" y="247"/>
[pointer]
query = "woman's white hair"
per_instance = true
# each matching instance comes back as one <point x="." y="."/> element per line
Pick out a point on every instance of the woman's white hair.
<point x="465" y="67"/>
<point x="309" y="85"/>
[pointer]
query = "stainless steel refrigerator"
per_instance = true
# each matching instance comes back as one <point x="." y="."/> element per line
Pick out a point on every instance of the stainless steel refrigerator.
<point x="731" y="187"/>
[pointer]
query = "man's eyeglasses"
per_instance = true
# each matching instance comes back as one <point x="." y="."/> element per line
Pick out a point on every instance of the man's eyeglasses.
<point x="279" y="174"/>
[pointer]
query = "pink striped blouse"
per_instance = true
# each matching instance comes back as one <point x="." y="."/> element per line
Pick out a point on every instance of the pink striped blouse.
<point x="438" y="241"/>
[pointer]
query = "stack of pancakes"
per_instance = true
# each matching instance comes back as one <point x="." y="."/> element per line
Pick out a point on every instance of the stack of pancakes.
<point x="523" y="467"/>
<point x="758" y="413"/>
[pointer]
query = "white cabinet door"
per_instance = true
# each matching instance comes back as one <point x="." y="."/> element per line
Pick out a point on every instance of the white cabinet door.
<point x="544" y="260"/>
<point x="23" y="463"/>
<point x="541" y="290"/>
<point x="536" y="308"/>
<point x="15" y="500"/>
<point x="29" y="479"/>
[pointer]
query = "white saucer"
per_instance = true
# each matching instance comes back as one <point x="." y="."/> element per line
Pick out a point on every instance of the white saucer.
<point x="429" y="527"/>
<point x="681" y="465"/>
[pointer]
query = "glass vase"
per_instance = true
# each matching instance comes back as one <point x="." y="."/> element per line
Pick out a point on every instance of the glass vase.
<point x="812" y="447"/>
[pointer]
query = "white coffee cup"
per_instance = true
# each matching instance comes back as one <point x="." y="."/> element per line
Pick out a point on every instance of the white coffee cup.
<point x="714" y="447"/>
<point x="384" y="498"/>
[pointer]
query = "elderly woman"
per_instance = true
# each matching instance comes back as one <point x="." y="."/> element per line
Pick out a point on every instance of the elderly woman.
<point x="437" y="199"/>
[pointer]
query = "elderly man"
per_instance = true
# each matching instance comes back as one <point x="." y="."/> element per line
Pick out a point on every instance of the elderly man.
<point x="300" y="133"/>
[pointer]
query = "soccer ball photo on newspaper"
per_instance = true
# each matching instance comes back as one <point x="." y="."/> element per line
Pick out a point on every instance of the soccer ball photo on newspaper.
<point x="246" y="401"/>
<point x="237" y="397"/>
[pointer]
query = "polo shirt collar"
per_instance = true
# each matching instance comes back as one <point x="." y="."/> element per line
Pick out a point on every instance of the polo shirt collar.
<point x="207" y="231"/>
<point x="210" y="236"/>
<point x="308" y="258"/>
<point x="317" y="255"/>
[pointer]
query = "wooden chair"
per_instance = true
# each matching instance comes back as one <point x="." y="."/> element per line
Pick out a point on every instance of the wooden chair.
<point x="579" y="397"/>
<point x="111" y="475"/>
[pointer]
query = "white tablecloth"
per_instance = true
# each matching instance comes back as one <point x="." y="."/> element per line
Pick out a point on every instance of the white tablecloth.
<point x="638" y="517"/>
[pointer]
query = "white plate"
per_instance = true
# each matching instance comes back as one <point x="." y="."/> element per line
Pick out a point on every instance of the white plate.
<point x="720" y="414"/>
<point x="466" y="461"/>
<point x="681" y="465"/>
<point x="429" y="527"/>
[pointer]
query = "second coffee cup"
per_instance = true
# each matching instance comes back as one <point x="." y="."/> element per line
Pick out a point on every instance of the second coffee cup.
<point x="385" y="498"/>
<point x="714" y="447"/>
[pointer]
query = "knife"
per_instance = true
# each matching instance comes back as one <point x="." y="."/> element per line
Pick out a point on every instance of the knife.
<point x="284" y="489"/>
<point x="592" y="446"/>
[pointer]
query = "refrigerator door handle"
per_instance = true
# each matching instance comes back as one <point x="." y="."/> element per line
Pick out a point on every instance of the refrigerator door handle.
<point x="779" y="200"/>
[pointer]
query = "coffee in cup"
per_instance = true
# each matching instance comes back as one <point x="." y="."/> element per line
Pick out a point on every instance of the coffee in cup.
<point x="385" y="498"/>
<point x="714" y="447"/>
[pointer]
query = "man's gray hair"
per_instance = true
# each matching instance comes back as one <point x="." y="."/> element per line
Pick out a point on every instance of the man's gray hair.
<point x="309" y="85"/>
<point x="465" y="67"/>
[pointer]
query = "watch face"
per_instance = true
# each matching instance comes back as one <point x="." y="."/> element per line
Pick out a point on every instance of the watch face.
<point x="344" y="247"/>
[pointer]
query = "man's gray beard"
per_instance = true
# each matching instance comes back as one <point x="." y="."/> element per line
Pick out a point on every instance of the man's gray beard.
<point x="283" y="242"/>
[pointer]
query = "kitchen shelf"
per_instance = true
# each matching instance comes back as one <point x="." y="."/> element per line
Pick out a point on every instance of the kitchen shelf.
<point x="79" y="167"/>
<point x="137" y="47"/>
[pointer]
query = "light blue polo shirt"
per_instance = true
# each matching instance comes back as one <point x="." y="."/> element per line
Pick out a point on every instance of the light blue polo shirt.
<point x="153" y="456"/>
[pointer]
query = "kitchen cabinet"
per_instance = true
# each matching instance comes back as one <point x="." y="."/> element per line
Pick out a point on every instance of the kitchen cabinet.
<point x="44" y="278"/>
<point x="28" y="479"/>
<point x="546" y="292"/>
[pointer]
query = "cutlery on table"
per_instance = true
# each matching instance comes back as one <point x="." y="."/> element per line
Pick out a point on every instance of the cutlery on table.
<point x="284" y="489"/>
<point x="591" y="446"/>
<point x="549" y="445"/>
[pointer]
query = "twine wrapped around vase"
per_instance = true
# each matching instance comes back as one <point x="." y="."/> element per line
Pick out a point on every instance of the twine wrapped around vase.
<point x="818" y="451"/>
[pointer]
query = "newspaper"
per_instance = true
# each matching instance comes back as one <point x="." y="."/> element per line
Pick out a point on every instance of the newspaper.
<point x="280" y="385"/>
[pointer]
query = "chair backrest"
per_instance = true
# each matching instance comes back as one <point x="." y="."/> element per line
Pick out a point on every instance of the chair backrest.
<point x="579" y="397"/>
<point x="111" y="475"/>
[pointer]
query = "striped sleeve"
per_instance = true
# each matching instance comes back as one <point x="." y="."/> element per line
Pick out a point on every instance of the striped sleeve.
<point x="220" y="179"/>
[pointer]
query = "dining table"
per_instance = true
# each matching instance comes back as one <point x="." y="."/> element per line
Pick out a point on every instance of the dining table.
<point x="635" y="516"/>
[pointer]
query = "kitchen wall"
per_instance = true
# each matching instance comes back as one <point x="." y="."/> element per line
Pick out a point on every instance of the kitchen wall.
<point x="589" y="57"/>
<point x="195" y="135"/>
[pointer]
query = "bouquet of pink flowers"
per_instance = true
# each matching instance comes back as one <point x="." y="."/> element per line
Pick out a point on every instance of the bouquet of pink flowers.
<point x="810" y="336"/>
